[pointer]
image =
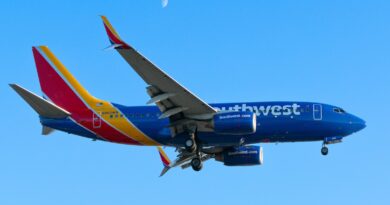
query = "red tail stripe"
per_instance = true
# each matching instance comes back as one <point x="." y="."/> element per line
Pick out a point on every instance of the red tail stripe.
<point x="55" y="87"/>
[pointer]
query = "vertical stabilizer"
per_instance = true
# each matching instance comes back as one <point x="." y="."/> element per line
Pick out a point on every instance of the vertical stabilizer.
<point x="58" y="84"/>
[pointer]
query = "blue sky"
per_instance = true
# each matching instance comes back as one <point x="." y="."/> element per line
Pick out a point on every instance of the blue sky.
<point x="335" y="52"/>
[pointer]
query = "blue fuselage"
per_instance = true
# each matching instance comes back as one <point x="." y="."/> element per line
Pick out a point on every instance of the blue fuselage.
<point x="276" y="122"/>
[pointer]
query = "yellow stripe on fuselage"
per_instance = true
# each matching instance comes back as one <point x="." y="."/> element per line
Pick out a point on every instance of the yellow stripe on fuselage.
<point x="100" y="107"/>
<point x="113" y="116"/>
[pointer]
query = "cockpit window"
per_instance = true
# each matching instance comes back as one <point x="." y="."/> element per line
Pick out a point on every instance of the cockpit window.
<point x="338" y="110"/>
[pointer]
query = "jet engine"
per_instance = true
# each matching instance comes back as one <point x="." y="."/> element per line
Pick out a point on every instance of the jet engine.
<point x="235" y="123"/>
<point x="241" y="156"/>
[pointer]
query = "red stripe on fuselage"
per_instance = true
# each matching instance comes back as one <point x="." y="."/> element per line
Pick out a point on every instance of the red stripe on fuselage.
<point x="55" y="87"/>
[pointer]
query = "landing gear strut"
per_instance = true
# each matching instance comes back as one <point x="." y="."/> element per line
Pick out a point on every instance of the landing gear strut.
<point x="190" y="144"/>
<point x="324" y="150"/>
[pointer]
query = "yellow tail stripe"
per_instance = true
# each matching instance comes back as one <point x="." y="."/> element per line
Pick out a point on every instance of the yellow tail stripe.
<point x="100" y="107"/>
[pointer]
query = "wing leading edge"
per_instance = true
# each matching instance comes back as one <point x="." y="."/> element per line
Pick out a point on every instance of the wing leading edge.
<point x="175" y="101"/>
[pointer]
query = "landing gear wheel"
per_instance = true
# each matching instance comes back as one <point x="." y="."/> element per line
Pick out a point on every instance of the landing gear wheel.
<point x="324" y="150"/>
<point x="196" y="164"/>
<point x="190" y="145"/>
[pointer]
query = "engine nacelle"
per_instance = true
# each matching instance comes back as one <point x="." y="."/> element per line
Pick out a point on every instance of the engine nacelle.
<point x="235" y="123"/>
<point x="241" y="156"/>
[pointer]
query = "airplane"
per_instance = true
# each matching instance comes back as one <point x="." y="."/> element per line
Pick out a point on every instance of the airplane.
<point x="226" y="132"/>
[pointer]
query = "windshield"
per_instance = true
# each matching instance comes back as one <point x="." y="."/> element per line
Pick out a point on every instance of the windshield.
<point x="338" y="110"/>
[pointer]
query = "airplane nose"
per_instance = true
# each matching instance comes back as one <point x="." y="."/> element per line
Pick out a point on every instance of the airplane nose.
<point x="357" y="124"/>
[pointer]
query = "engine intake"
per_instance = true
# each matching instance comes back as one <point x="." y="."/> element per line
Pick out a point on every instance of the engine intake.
<point x="241" y="156"/>
<point x="235" y="123"/>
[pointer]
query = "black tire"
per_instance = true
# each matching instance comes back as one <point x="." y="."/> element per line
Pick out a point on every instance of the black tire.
<point x="324" y="151"/>
<point x="196" y="164"/>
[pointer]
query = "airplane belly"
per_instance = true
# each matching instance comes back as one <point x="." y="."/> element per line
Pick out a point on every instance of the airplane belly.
<point x="269" y="129"/>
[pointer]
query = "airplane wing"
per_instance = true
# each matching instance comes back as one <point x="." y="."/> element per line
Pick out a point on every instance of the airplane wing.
<point x="175" y="101"/>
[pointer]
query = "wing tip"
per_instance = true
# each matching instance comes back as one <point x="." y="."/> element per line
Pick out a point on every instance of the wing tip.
<point x="113" y="36"/>
<point x="104" y="18"/>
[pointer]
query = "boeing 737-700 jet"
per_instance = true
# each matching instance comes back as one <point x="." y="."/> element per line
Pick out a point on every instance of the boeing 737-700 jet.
<point x="199" y="131"/>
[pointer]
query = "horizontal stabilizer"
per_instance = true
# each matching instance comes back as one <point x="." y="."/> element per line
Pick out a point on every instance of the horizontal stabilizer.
<point x="43" y="107"/>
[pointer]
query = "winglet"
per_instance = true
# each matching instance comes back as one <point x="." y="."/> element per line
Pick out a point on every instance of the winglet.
<point x="165" y="160"/>
<point x="113" y="36"/>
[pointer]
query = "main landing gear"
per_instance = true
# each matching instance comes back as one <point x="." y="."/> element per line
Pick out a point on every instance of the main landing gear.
<point x="192" y="146"/>
<point x="324" y="150"/>
<point x="196" y="164"/>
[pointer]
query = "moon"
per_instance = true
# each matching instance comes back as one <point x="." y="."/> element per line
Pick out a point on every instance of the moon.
<point x="164" y="3"/>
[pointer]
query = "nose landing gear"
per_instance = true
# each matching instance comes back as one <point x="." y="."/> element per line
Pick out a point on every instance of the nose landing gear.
<point x="329" y="140"/>
<point x="324" y="150"/>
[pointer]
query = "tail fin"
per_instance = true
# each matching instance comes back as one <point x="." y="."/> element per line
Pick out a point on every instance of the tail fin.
<point x="165" y="160"/>
<point x="57" y="83"/>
